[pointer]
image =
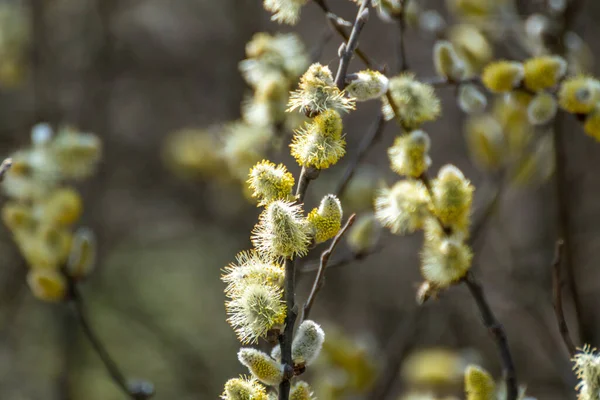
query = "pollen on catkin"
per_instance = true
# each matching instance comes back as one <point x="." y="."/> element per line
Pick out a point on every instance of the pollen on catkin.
<point x="579" y="94"/>
<point x="409" y="154"/>
<point x="320" y="143"/>
<point x="479" y="385"/>
<point x="251" y="267"/>
<point x="281" y="231"/>
<point x="542" y="109"/>
<point x="317" y="92"/>
<point x="301" y="391"/>
<point x="244" y="388"/>
<point x="502" y="76"/>
<point x="416" y="101"/>
<point x="367" y="85"/>
<point x="270" y="182"/>
<point x="447" y="63"/>
<point x="470" y="99"/>
<point x="326" y="220"/>
<point x="364" y="234"/>
<point x="452" y="197"/>
<point x="47" y="284"/>
<point x="591" y="126"/>
<point x="485" y="141"/>
<point x="261" y="366"/>
<point x="404" y="207"/>
<point x="586" y="364"/>
<point x="543" y="72"/>
<point x="285" y="11"/>
<point x="256" y="310"/>
<point x="307" y="343"/>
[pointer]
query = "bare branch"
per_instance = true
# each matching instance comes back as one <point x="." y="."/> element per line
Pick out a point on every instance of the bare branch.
<point x="348" y="50"/>
<point x="557" y="298"/>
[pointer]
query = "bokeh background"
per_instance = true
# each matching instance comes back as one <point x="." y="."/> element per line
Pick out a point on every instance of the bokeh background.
<point x="135" y="71"/>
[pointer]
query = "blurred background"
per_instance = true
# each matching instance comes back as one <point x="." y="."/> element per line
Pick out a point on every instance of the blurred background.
<point x="134" y="72"/>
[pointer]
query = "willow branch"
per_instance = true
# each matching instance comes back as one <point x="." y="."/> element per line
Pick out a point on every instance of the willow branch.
<point x="348" y="49"/>
<point x="497" y="332"/>
<point x="557" y="299"/>
<point x="320" y="278"/>
<point x="139" y="391"/>
<point x="401" y="19"/>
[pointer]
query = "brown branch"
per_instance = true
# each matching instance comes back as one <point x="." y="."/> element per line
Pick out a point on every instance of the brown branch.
<point x="307" y="174"/>
<point x="557" y="299"/>
<point x="4" y="167"/>
<point x="497" y="332"/>
<point x="137" y="390"/>
<point x="401" y="19"/>
<point x="351" y="45"/>
<point x="320" y="278"/>
<point x="287" y="336"/>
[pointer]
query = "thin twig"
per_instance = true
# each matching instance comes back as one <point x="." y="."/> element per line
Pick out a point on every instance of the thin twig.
<point x="401" y="19"/>
<point x="307" y="174"/>
<point x="140" y="391"/>
<point x="557" y="299"/>
<point x="367" y="142"/>
<point x="320" y="278"/>
<point x="4" y="167"/>
<point x="497" y="332"/>
<point x="348" y="50"/>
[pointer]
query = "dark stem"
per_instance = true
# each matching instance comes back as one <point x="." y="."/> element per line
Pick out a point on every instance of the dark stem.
<point x="144" y="391"/>
<point x="349" y="48"/>
<point x="367" y="142"/>
<point x="402" y="59"/>
<point x="307" y="174"/>
<point x="497" y="331"/>
<point x="557" y="299"/>
<point x="286" y="338"/>
<point x="320" y="278"/>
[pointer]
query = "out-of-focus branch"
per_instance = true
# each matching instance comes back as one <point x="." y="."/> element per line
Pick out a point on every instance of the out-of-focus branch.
<point x="557" y="299"/>
<point x="4" y="167"/>
<point x="320" y="278"/>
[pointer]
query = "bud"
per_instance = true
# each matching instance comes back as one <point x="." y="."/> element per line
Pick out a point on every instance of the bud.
<point x="470" y="99"/>
<point x="502" y="76"/>
<point x="431" y="21"/>
<point x="445" y="261"/>
<point x="542" y="109"/>
<point x="284" y="11"/>
<point x="251" y="267"/>
<point x="64" y="206"/>
<point x="17" y="216"/>
<point x="326" y="220"/>
<point x="537" y="166"/>
<point x="47" y="284"/>
<point x="320" y="143"/>
<point x="367" y="85"/>
<point x="472" y="46"/>
<point x="244" y="389"/>
<point x="261" y="366"/>
<point x="447" y="63"/>
<point x="591" y="125"/>
<point x="409" y="154"/>
<point x="76" y="153"/>
<point x="452" y="197"/>
<point x="270" y="182"/>
<point x="281" y="231"/>
<point x="543" y="72"/>
<point x="416" y="101"/>
<point x="485" y="142"/>
<point x="403" y="207"/>
<point x="301" y="391"/>
<point x="83" y="254"/>
<point x="479" y="385"/>
<point x="364" y="234"/>
<point x="585" y="365"/>
<point x="579" y="94"/>
<point x="307" y="343"/>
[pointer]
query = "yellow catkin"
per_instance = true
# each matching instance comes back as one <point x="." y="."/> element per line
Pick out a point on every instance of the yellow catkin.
<point x="543" y="72"/>
<point x="479" y="385"/>
<point x="579" y="94"/>
<point x="502" y="76"/>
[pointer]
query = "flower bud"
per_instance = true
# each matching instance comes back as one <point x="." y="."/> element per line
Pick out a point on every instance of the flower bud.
<point x="409" y="154"/>
<point x="445" y="261"/>
<point x="416" y="102"/>
<point x="284" y="11"/>
<point x="367" y="85"/>
<point x="591" y="125"/>
<point x="301" y="391"/>
<point x="64" y="206"/>
<point x="251" y="267"/>
<point x="543" y="72"/>
<point x="83" y="254"/>
<point x="579" y="95"/>
<point x="326" y="220"/>
<point x="270" y="182"/>
<point x="472" y="46"/>
<point x="452" y="197"/>
<point x="485" y="142"/>
<point x="17" y="216"/>
<point x="307" y="343"/>
<point x="479" y="385"/>
<point x="542" y="109"/>
<point x="447" y="63"/>
<point x="244" y="389"/>
<point x="47" y="284"/>
<point x="403" y="207"/>
<point x="470" y="99"/>
<point x="502" y="76"/>
<point x="261" y="366"/>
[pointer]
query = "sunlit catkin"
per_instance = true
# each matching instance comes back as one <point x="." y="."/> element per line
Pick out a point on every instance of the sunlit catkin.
<point x="543" y="72"/>
<point x="479" y="385"/>
<point x="447" y="63"/>
<point x="261" y="366"/>
<point x="586" y="364"/>
<point x="47" y="284"/>
<point x="542" y="109"/>
<point x="452" y="197"/>
<point x="251" y="267"/>
<point x="470" y="99"/>
<point x="301" y="391"/>
<point x="307" y="343"/>
<point x="244" y="389"/>
<point x="326" y="220"/>
<point x="281" y="230"/>
<point x="320" y="143"/>
<point x="284" y="11"/>
<point x="416" y="102"/>
<point x="502" y="76"/>
<point x="270" y="182"/>
<point x="591" y="126"/>
<point x="367" y="85"/>
<point x="579" y="94"/>
<point x="409" y="154"/>
<point x="404" y="207"/>
<point x="485" y="141"/>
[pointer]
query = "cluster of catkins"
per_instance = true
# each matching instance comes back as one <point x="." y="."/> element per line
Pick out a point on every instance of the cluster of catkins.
<point x="41" y="209"/>
<point x="272" y="67"/>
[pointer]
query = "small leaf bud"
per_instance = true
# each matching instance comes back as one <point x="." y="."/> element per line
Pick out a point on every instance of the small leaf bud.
<point x="307" y="343"/>
<point x="542" y="109"/>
